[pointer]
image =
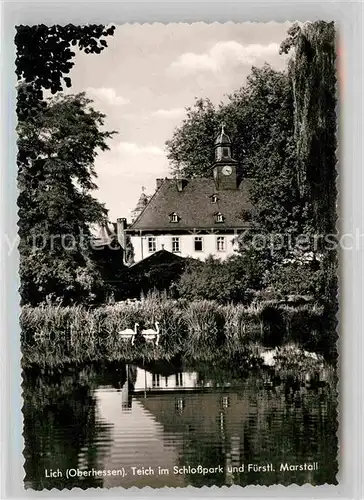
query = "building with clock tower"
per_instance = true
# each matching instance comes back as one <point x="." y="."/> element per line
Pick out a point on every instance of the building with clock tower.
<point x="195" y="217"/>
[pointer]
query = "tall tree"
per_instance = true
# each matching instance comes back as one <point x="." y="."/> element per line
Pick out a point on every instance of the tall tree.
<point x="312" y="70"/>
<point x="56" y="207"/>
<point x="191" y="148"/>
<point x="58" y="141"/>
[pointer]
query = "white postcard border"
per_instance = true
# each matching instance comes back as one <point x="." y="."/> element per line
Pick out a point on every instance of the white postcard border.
<point x="348" y="16"/>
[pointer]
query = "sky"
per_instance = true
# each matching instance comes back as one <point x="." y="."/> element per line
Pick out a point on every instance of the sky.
<point x="144" y="80"/>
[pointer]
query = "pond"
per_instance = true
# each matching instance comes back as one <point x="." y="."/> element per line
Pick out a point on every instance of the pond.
<point x="165" y="424"/>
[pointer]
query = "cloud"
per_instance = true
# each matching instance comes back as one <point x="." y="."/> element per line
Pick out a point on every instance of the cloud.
<point x="132" y="116"/>
<point x="107" y="95"/>
<point x="169" y="113"/>
<point x="223" y="55"/>
<point x="132" y="149"/>
<point x="190" y="62"/>
<point x="165" y="114"/>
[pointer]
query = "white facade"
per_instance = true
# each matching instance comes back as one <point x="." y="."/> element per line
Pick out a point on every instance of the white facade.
<point x="197" y="246"/>
<point x="147" y="381"/>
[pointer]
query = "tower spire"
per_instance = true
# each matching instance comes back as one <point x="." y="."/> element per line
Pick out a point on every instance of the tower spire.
<point x="142" y="203"/>
<point x="223" y="145"/>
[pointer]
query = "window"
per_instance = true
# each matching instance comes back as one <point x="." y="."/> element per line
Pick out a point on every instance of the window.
<point x="179" y="380"/>
<point x="198" y="244"/>
<point x="152" y="244"/>
<point x="220" y="243"/>
<point x="175" y="244"/>
<point x="225" y="402"/>
<point x="214" y="198"/>
<point x="156" y="380"/>
<point x="180" y="404"/>
<point x="225" y="152"/>
<point x="219" y="217"/>
<point x="174" y="217"/>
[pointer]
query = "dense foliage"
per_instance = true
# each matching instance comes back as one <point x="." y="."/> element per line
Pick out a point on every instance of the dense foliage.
<point x="296" y="279"/>
<point x="44" y="59"/>
<point x="282" y="126"/>
<point x="56" y="175"/>
<point x="58" y="141"/>
<point x="229" y="281"/>
<point x="312" y="72"/>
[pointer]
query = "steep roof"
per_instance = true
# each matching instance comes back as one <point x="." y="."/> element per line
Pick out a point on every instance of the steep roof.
<point x="157" y="258"/>
<point x="194" y="207"/>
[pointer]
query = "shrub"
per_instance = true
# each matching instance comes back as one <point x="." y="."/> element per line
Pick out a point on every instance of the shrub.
<point x="295" y="279"/>
<point x="227" y="281"/>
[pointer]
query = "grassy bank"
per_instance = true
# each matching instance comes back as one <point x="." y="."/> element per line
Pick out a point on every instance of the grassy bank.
<point x="55" y="335"/>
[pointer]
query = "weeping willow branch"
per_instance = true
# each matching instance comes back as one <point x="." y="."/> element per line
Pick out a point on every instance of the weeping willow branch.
<point x="312" y="70"/>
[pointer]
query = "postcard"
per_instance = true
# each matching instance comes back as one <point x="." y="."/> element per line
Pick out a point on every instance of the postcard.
<point x="178" y="254"/>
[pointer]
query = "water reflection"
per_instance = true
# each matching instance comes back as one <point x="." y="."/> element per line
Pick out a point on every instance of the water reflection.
<point x="165" y="416"/>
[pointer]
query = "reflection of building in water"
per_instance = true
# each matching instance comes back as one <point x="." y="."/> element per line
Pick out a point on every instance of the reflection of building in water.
<point x="204" y="416"/>
<point x="137" y="440"/>
<point x="140" y="380"/>
<point x="176" y="402"/>
<point x="167" y="427"/>
<point x="127" y="388"/>
<point x="144" y="381"/>
<point x="126" y="397"/>
<point x="147" y="381"/>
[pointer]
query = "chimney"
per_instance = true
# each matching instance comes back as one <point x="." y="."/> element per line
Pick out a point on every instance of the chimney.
<point x="180" y="182"/>
<point x="120" y="231"/>
<point x="159" y="183"/>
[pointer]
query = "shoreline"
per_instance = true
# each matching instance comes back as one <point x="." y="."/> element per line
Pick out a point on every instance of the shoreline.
<point x="257" y="334"/>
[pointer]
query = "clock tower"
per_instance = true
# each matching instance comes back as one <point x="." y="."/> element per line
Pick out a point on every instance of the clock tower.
<point x="225" y="167"/>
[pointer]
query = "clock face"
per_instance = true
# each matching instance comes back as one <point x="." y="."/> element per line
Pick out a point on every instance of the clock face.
<point x="227" y="170"/>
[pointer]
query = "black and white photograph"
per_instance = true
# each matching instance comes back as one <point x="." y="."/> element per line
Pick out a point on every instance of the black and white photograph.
<point x="178" y="251"/>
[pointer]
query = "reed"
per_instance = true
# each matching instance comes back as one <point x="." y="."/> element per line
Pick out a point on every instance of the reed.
<point x="55" y="335"/>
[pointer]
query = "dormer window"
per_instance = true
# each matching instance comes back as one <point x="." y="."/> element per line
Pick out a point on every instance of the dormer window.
<point x="173" y="217"/>
<point x="214" y="198"/>
<point x="219" y="217"/>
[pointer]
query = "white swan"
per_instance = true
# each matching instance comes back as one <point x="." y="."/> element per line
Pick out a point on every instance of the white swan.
<point x="129" y="333"/>
<point x="151" y="334"/>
